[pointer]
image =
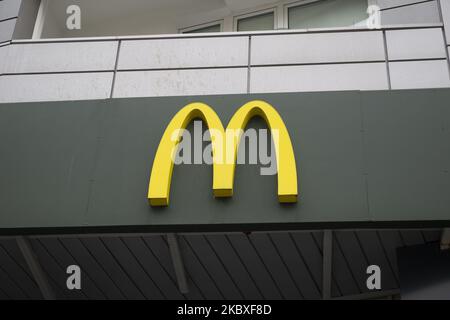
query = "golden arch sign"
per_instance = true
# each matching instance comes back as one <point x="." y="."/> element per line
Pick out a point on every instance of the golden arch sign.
<point x="225" y="145"/>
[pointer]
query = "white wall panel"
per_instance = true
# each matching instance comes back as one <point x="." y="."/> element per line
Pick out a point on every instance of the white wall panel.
<point x="317" y="47"/>
<point x="180" y="82"/>
<point x="426" y="12"/>
<point x="415" y="44"/>
<point x="55" y="87"/>
<point x="359" y="76"/>
<point x="2" y="57"/>
<point x="7" y="29"/>
<point x="9" y="8"/>
<point x="419" y="74"/>
<point x="57" y="57"/>
<point x="182" y="53"/>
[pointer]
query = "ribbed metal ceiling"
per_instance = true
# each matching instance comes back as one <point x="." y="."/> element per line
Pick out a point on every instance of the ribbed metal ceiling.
<point x="263" y="265"/>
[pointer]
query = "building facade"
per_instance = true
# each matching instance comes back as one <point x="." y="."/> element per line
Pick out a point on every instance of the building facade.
<point x="95" y="54"/>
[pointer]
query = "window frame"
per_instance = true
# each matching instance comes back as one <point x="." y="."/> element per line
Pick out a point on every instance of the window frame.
<point x="187" y="30"/>
<point x="291" y="5"/>
<point x="238" y="17"/>
<point x="299" y="3"/>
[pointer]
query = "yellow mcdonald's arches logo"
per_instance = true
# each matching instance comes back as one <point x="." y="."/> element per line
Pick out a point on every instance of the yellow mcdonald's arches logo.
<point x="225" y="145"/>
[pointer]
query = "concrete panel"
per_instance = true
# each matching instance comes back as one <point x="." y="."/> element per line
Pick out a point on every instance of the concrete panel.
<point x="317" y="47"/>
<point x="55" y="87"/>
<point x="425" y="12"/>
<point x="7" y="29"/>
<point x="419" y="74"/>
<point x="182" y="53"/>
<point x="445" y="7"/>
<point x="9" y="9"/>
<point x="415" y="44"/>
<point x="58" y="57"/>
<point x="369" y="76"/>
<point x="180" y="82"/>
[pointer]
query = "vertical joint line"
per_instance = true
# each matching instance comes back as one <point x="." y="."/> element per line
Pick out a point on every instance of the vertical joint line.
<point x="386" y="59"/>
<point x="177" y="261"/>
<point x="115" y="69"/>
<point x="249" y="63"/>
<point x="36" y="270"/>
<point x="327" y="264"/>
<point x="365" y="168"/>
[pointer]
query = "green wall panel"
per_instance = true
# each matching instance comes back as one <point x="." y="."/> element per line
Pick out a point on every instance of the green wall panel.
<point x="363" y="159"/>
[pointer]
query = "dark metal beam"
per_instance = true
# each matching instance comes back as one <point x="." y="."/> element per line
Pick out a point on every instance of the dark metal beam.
<point x="36" y="270"/>
<point x="327" y="264"/>
<point x="177" y="260"/>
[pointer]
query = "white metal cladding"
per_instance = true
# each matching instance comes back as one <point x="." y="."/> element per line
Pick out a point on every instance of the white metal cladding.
<point x="9" y="9"/>
<point x="421" y="12"/>
<point x="262" y="265"/>
<point x="419" y="74"/>
<point x="3" y="50"/>
<point x="7" y="29"/>
<point x="180" y="82"/>
<point x="52" y="87"/>
<point x="224" y="64"/>
<point x="184" y="53"/>
<point x="357" y="76"/>
<point x="317" y="48"/>
<point x="61" y="57"/>
<point x="415" y="44"/>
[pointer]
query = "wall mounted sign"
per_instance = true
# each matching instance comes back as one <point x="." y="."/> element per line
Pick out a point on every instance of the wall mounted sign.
<point x="225" y="143"/>
<point x="350" y="159"/>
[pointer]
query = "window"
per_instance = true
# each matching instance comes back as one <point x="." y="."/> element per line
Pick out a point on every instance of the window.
<point x="264" y="21"/>
<point x="327" y="14"/>
<point x="203" y="29"/>
<point x="100" y="18"/>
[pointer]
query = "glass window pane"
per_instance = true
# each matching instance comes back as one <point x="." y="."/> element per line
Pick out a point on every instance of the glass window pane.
<point x="213" y="28"/>
<point x="327" y="14"/>
<point x="254" y="23"/>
